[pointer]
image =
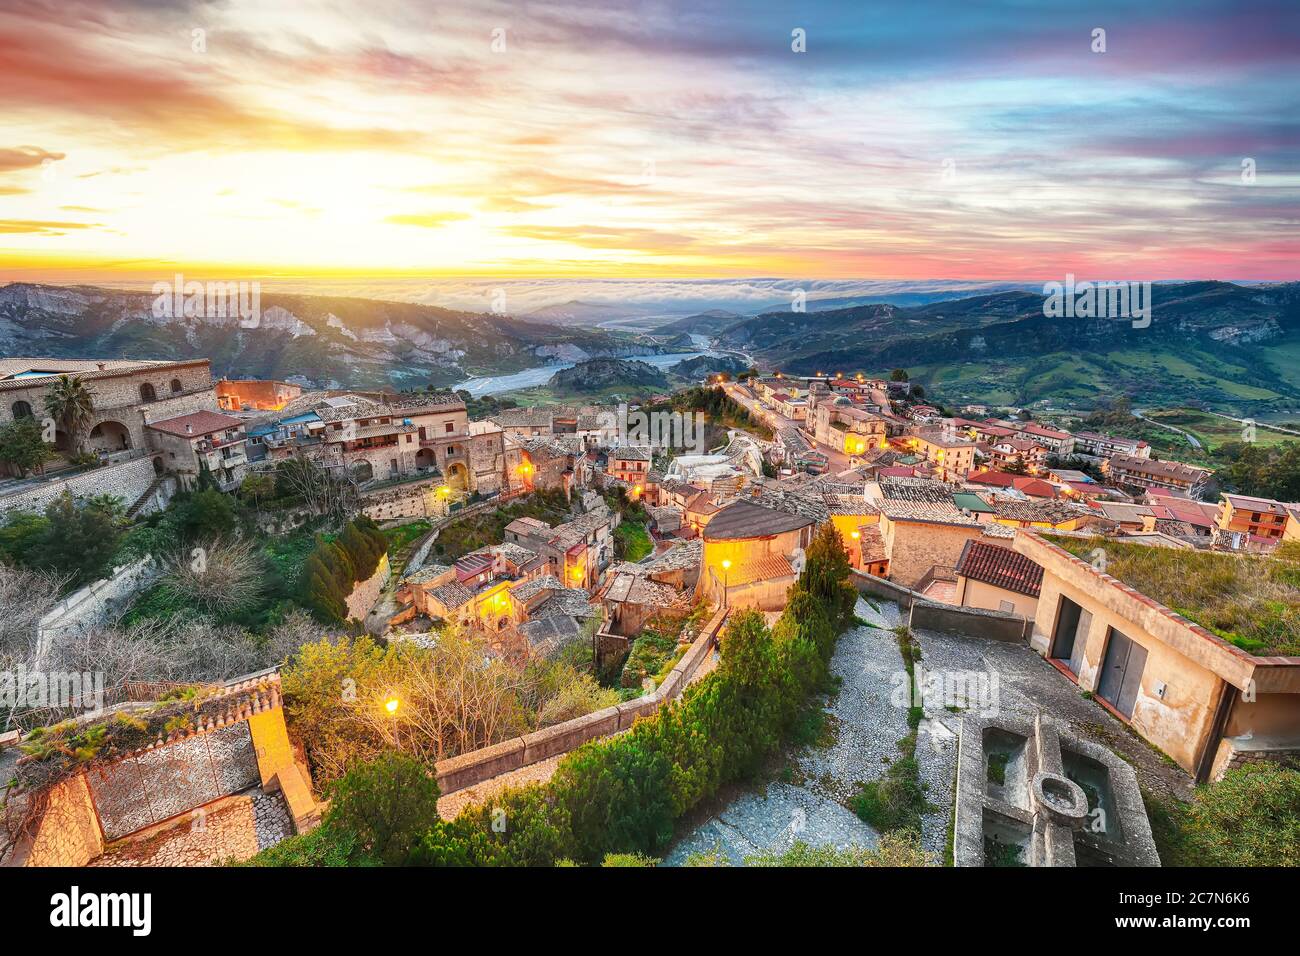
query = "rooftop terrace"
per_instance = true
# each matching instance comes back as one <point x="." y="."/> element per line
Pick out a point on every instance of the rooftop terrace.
<point x="1251" y="602"/>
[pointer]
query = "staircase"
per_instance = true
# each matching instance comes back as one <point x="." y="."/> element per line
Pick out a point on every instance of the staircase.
<point x="144" y="498"/>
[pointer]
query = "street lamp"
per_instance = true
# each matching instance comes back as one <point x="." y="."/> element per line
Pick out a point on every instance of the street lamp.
<point x="726" y="566"/>
<point x="391" y="705"/>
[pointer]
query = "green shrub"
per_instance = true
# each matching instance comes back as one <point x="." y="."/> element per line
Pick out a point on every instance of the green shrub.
<point x="389" y="803"/>
<point x="1249" y="818"/>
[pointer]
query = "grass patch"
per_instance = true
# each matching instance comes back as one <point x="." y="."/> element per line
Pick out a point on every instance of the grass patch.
<point x="632" y="541"/>
<point x="1251" y="602"/>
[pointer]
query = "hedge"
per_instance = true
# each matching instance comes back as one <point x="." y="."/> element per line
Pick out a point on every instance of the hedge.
<point x="624" y="795"/>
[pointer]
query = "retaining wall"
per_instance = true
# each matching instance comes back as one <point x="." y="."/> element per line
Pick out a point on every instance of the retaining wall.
<point x="457" y="773"/>
<point x="127" y="482"/>
<point x="935" y="616"/>
<point x="95" y="604"/>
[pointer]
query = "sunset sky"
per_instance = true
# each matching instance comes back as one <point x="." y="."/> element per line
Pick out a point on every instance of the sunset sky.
<point x="953" y="140"/>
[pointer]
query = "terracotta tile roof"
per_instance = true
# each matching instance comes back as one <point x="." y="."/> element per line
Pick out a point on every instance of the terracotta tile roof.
<point x="741" y="519"/>
<point x="872" y="545"/>
<point x="768" y="567"/>
<point x="196" y="424"/>
<point x="1157" y="468"/>
<point x="537" y="585"/>
<point x="1000" y="567"/>
<point x="452" y="595"/>
<point x="1054" y="512"/>
<point x="630" y="453"/>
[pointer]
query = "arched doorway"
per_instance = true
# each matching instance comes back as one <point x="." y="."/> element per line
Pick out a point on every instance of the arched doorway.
<point x="22" y="409"/>
<point x="147" y="393"/>
<point x="362" y="471"/>
<point x="424" y="459"/>
<point x="109" y="436"/>
<point x="458" y="475"/>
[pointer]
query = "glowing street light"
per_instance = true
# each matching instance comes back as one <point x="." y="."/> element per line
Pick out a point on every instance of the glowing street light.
<point x="444" y="490"/>
<point x="392" y="704"/>
<point x="726" y="566"/>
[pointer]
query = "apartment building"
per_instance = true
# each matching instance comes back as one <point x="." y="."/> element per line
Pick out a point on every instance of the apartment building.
<point x="1256" y="517"/>
<point x="1097" y="445"/>
<point x="1155" y="473"/>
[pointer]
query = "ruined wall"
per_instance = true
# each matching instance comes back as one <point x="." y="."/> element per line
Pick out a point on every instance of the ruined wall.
<point x="127" y="482"/>
<point x="96" y="603"/>
<point x="366" y="593"/>
<point x="69" y="833"/>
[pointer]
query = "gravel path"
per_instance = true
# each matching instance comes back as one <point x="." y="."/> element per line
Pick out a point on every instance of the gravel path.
<point x="811" y="808"/>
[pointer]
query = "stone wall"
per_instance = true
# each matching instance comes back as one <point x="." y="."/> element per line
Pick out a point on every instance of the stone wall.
<point x="925" y="613"/>
<point x="415" y="500"/>
<point x="466" y="770"/>
<point x="96" y="603"/>
<point x="126" y="481"/>
<point x="366" y="593"/>
<point x="1232" y="754"/>
<point x="69" y="832"/>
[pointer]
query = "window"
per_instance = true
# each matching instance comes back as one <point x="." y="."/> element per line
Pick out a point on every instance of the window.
<point x="176" y="385"/>
<point x="451" y="427"/>
<point x="22" y="410"/>
<point x="147" y="393"/>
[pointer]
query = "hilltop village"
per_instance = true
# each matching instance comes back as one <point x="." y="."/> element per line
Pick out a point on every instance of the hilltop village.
<point x="217" y="557"/>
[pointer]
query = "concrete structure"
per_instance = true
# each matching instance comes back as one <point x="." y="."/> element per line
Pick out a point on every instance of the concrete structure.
<point x="951" y="458"/>
<point x="1032" y="794"/>
<point x="1154" y="473"/>
<point x="1096" y="445"/>
<point x="1187" y="691"/>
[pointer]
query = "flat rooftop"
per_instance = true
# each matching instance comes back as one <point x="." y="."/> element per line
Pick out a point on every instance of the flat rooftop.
<point x="1252" y="602"/>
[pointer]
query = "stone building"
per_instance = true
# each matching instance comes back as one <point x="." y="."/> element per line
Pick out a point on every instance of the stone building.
<point x="747" y="555"/>
<point x="202" y="441"/>
<point x="127" y="395"/>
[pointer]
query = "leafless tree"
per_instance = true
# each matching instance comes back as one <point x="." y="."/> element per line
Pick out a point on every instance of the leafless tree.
<point x="326" y="491"/>
<point x="454" y="698"/>
<point x="284" y="640"/>
<point x="218" y="577"/>
<point x="25" y="597"/>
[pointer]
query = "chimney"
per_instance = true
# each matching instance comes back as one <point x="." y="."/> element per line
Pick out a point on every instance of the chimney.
<point x="189" y="429"/>
<point x="100" y="366"/>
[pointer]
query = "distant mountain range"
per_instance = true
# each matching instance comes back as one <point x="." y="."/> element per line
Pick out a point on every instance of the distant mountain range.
<point x="1227" y="346"/>
<point x="1212" y="342"/>
<point x="313" y="340"/>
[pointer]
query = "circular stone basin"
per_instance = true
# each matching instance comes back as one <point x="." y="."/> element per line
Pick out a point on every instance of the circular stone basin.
<point x="1061" y="799"/>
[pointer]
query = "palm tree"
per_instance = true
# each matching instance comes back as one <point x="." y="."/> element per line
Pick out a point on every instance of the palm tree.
<point x="71" y="406"/>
